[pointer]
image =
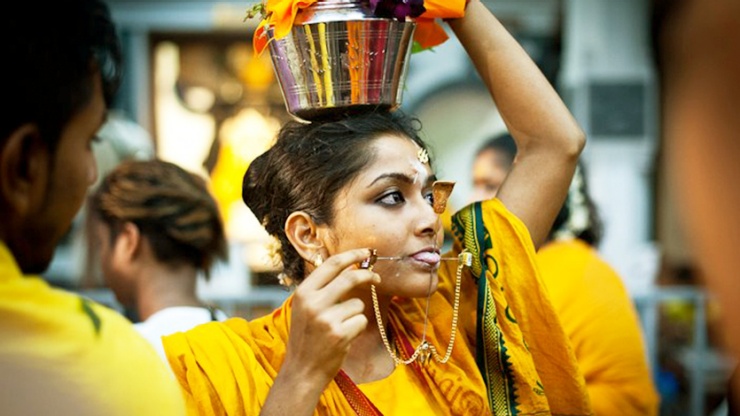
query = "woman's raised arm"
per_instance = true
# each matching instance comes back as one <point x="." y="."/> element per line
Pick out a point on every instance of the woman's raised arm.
<point x="549" y="140"/>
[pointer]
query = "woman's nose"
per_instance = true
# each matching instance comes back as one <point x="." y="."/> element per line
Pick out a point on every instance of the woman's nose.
<point x="428" y="222"/>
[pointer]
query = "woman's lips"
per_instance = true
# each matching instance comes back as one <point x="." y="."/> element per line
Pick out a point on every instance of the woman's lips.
<point x="428" y="257"/>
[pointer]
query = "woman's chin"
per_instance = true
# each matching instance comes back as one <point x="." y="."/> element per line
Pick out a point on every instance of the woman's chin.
<point x="419" y="287"/>
<point x="408" y="282"/>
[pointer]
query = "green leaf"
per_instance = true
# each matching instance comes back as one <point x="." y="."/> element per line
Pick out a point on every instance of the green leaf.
<point x="254" y="10"/>
<point x="416" y="48"/>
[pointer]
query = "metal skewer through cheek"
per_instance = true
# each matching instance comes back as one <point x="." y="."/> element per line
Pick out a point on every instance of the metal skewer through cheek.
<point x="465" y="258"/>
<point x="425" y="351"/>
<point x="398" y="258"/>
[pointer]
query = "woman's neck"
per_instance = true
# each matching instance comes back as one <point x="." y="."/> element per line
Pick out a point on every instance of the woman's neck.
<point x="164" y="286"/>
<point x="368" y="360"/>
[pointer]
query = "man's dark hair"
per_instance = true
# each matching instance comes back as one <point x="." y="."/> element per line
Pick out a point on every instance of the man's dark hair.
<point x="51" y="53"/>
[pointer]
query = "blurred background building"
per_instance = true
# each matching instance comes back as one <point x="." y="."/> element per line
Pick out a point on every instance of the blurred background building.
<point x="196" y="95"/>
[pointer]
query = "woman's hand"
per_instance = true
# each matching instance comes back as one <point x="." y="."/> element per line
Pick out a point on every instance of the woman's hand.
<point x="324" y="322"/>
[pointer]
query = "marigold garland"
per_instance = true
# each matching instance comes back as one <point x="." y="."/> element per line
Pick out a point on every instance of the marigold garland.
<point x="281" y="14"/>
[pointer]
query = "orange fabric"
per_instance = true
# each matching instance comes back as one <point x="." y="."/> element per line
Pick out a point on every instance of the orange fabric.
<point x="428" y="32"/>
<point x="444" y="9"/>
<point x="228" y="367"/>
<point x="282" y="13"/>
<point x="523" y="353"/>
<point x="401" y="393"/>
<point x="601" y="322"/>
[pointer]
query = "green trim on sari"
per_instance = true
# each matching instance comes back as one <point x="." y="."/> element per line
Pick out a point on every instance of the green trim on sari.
<point x="492" y="357"/>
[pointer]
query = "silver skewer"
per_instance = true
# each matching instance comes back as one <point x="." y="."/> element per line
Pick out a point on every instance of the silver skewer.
<point x="397" y="258"/>
<point x="465" y="258"/>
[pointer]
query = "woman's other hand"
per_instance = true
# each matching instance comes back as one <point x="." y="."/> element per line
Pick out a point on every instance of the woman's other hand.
<point x="325" y="320"/>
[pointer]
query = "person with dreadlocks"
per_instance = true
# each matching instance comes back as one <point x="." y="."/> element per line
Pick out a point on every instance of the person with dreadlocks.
<point x="157" y="227"/>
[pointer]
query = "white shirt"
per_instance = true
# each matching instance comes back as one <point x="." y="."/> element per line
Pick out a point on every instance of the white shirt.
<point x="175" y="319"/>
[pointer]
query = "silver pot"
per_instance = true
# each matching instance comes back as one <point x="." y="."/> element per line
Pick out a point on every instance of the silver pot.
<point x="338" y="58"/>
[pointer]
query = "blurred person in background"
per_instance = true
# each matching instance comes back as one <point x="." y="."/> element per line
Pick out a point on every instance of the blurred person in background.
<point x="696" y="45"/>
<point x="157" y="227"/>
<point x="61" y="353"/>
<point x="589" y="297"/>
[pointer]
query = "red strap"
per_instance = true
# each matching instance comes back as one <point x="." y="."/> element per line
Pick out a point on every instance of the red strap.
<point x="356" y="398"/>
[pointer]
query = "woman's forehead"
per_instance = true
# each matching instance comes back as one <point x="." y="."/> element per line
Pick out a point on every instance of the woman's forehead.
<point x="392" y="153"/>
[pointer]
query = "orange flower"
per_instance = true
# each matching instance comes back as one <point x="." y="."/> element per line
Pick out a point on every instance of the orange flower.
<point x="281" y="15"/>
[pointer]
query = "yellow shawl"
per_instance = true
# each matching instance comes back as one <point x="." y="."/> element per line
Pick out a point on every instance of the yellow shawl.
<point x="511" y="356"/>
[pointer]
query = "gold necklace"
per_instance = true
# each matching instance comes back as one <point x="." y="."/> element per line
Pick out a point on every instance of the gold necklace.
<point x="425" y="351"/>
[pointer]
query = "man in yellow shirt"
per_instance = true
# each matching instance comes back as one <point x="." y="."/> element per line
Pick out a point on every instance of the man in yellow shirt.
<point x="588" y="295"/>
<point x="60" y="353"/>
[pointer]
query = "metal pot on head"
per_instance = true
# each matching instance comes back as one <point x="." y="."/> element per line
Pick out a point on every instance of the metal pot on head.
<point x="339" y="58"/>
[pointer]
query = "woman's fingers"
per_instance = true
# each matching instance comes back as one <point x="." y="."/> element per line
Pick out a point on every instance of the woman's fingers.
<point x="345" y="321"/>
<point x="314" y="302"/>
<point x="354" y="326"/>
<point x="348" y="280"/>
<point x="347" y="309"/>
<point x="332" y="267"/>
<point x="324" y="321"/>
<point x="334" y="328"/>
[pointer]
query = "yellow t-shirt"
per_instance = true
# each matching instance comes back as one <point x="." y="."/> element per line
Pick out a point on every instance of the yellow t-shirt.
<point x="61" y="354"/>
<point x="601" y="322"/>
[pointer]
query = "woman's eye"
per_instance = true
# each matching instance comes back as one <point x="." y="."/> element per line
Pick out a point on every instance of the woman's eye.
<point x="429" y="197"/>
<point x="392" y="198"/>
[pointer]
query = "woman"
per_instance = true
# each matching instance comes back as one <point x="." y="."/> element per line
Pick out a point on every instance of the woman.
<point x="332" y="191"/>
<point x="157" y="227"/>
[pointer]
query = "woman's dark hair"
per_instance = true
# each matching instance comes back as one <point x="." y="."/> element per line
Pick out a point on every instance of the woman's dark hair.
<point x="172" y="208"/>
<point x="52" y="52"/>
<point x="579" y="195"/>
<point x="308" y="165"/>
<point x="503" y="143"/>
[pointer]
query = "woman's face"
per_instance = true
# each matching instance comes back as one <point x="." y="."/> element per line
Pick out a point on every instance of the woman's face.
<point x="489" y="171"/>
<point x="388" y="207"/>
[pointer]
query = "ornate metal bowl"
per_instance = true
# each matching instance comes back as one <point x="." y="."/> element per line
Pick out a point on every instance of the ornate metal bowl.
<point x="339" y="58"/>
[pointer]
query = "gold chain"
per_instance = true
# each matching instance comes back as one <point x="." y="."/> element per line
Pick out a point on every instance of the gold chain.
<point x="425" y="351"/>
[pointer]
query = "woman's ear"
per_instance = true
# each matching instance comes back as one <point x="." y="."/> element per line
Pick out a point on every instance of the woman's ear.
<point x="128" y="242"/>
<point x="24" y="163"/>
<point x="305" y="236"/>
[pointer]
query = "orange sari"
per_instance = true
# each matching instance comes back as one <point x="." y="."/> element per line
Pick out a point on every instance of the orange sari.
<point x="510" y="357"/>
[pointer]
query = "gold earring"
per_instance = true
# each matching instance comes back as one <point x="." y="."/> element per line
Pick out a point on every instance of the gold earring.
<point x="318" y="260"/>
